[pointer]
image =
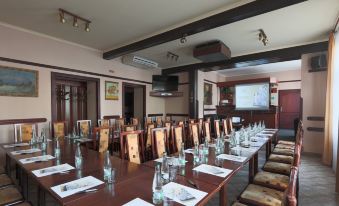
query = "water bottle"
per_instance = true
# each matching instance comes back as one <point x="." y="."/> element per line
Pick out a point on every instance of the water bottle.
<point x="57" y="149"/>
<point x="164" y="165"/>
<point x="74" y="132"/>
<point x="182" y="158"/>
<point x="44" y="142"/>
<point x="78" y="157"/>
<point x="107" y="166"/>
<point x="157" y="187"/>
<point x="205" y="148"/>
<point x="196" y="159"/>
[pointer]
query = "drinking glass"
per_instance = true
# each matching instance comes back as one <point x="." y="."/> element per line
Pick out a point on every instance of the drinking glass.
<point x="173" y="173"/>
<point x="111" y="178"/>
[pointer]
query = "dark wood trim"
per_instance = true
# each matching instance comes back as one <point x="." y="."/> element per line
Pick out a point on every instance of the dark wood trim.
<point x="315" y="129"/>
<point x="315" y="118"/>
<point x="297" y="80"/>
<point x="279" y="55"/>
<point x="124" y="84"/>
<point x="68" y="69"/>
<point x="177" y="115"/>
<point x="184" y="83"/>
<point x="245" y="81"/>
<point x="210" y="109"/>
<point x="206" y="80"/>
<point x="22" y="121"/>
<point x="155" y="115"/>
<point x="226" y="17"/>
<point x="111" y="117"/>
<point x="317" y="70"/>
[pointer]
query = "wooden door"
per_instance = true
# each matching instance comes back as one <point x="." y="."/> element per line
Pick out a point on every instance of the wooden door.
<point x="289" y="104"/>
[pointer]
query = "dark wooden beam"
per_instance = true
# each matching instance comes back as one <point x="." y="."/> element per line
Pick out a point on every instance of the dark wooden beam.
<point x="279" y="55"/>
<point x="227" y="17"/>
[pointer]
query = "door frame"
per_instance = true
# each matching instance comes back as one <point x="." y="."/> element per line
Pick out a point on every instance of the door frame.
<point x="279" y="107"/>
<point x="71" y="77"/>
<point x="124" y="84"/>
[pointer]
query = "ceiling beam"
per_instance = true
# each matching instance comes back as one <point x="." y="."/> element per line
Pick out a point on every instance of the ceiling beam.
<point x="279" y="55"/>
<point x="227" y="17"/>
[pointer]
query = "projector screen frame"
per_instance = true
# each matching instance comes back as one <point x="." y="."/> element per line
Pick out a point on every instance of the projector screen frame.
<point x="253" y="109"/>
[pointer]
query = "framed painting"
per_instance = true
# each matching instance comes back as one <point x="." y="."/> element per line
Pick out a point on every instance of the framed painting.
<point x="208" y="94"/>
<point x="18" y="82"/>
<point x="111" y="90"/>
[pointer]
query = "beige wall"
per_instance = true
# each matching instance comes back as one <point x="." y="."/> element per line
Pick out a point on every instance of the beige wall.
<point x="24" y="45"/>
<point x="313" y="92"/>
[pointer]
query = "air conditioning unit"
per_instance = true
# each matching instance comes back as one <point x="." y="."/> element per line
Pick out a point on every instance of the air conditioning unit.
<point x="319" y="63"/>
<point x="139" y="62"/>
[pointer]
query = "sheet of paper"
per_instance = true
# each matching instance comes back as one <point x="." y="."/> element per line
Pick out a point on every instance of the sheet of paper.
<point x="52" y="170"/>
<point x="259" y="139"/>
<point x="257" y="144"/>
<point x="264" y="135"/>
<point x="70" y="188"/>
<point x="174" y="191"/>
<point x="138" y="202"/>
<point x="25" y="151"/>
<point x="16" y="145"/>
<point x="213" y="170"/>
<point x="270" y="130"/>
<point x="232" y="157"/>
<point x="36" y="159"/>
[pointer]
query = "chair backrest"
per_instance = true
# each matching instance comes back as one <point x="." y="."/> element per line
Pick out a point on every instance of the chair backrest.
<point x="135" y="121"/>
<point x="194" y="133"/>
<point x="148" y="120"/>
<point x="191" y="121"/>
<point x="297" y="155"/>
<point x="159" y="121"/>
<point x="59" y="129"/>
<point x="230" y="124"/>
<point x="217" y="128"/>
<point x="208" y="119"/>
<point x="207" y="131"/>
<point x="103" y="123"/>
<point x="290" y="196"/>
<point x="128" y="128"/>
<point x="159" y="142"/>
<point x="149" y="127"/>
<point x="133" y="145"/>
<point x="103" y="135"/>
<point x="84" y="127"/>
<point x="168" y="118"/>
<point x="168" y="129"/>
<point x="24" y="132"/>
<point x="177" y="132"/>
<point x="201" y="122"/>
<point x="181" y="123"/>
<point x="119" y="123"/>
<point x="224" y="125"/>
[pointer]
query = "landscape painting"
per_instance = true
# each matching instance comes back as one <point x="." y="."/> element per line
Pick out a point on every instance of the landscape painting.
<point x="18" y="82"/>
<point x="111" y="90"/>
<point x="208" y="94"/>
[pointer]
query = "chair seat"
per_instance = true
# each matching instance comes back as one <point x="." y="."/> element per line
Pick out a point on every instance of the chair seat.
<point x="238" y="204"/>
<point x="281" y="158"/>
<point x="9" y="195"/>
<point x="261" y="196"/>
<point x="5" y="180"/>
<point x="277" y="167"/>
<point x="280" y="151"/>
<point x="272" y="180"/>
<point x="286" y="142"/>
<point x="285" y="146"/>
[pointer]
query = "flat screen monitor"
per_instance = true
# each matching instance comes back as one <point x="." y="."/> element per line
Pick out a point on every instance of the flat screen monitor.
<point x="164" y="83"/>
<point x="236" y="120"/>
<point x="254" y="96"/>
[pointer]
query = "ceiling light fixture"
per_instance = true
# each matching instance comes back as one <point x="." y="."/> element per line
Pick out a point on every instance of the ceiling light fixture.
<point x="263" y="37"/>
<point x="76" y="19"/>
<point x="171" y="56"/>
<point x="183" y="39"/>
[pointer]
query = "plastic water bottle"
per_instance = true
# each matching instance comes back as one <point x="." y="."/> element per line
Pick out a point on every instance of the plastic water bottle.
<point x="196" y="159"/>
<point x="57" y="149"/>
<point x="182" y="157"/>
<point x="158" y="195"/>
<point x="164" y="165"/>
<point x="205" y="148"/>
<point x="107" y="166"/>
<point x="44" y="142"/>
<point x="78" y="157"/>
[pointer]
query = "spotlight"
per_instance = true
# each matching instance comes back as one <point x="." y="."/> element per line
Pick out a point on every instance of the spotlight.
<point x="263" y="37"/>
<point x="87" y="27"/>
<point x="62" y="17"/>
<point x="183" y="39"/>
<point x="75" y="22"/>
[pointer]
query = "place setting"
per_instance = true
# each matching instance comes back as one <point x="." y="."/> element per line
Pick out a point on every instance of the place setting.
<point x="26" y="151"/>
<point x="58" y="169"/>
<point x="37" y="159"/>
<point x="22" y="144"/>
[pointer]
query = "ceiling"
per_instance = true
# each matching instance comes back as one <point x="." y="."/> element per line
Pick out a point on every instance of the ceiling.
<point x="264" y="68"/>
<point x="119" y="22"/>
<point x="114" y="22"/>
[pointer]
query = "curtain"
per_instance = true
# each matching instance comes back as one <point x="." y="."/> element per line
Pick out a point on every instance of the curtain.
<point x="328" y="136"/>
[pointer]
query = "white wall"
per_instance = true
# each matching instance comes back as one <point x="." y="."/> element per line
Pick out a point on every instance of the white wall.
<point x="335" y="101"/>
<point x="24" y="45"/>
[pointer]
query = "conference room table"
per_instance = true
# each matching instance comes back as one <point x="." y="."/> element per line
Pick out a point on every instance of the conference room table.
<point x="132" y="180"/>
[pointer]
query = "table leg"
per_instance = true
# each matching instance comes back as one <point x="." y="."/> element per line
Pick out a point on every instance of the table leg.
<point x="223" y="196"/>
<point x="41" y="197"/>
<point x="255" y="164"/>
<point x="8" y="165"/>
<point x="24" y="184"/>
<point x="251" y="170"/>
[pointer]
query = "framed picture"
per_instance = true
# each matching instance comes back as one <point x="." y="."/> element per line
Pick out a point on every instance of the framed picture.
<point x="111" y="90"/>
<point x="18" y="82"/>
<point x="208" y="94"/>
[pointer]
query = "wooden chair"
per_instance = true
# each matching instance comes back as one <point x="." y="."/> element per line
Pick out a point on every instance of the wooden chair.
<point x="10" y="195"/>
<point x="102" y="138"/>
<point x="191" y="121"/>
<point x="168" y="119"/>
<point x="119" y="123"/>
<point x="103" y="123"/>
<point x="230" y="124"/>
<point x="207" y="130"/>
<point x="201" y="122"/>
<point x="194" y="134"/>
<point x="225" y="127"/>
<point x="148" y="140"/>
<point x="134" y="142"/>
<point x="217" y="128"/>
<point x="159" y="142"/>
<point x="84" y="127"/>
<point x="178" y="137"/>
<point x="59" y="129"/>
<point x="135" y="121"/>
<point x="158" y="121"/>
<point x="128" y="128"/>
<point x="24" y="132"/>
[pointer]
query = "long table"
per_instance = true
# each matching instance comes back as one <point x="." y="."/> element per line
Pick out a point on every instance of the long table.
<point x="132" y="180"/>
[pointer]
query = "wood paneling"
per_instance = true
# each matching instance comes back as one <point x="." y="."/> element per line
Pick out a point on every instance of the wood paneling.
<point x="20" y="121"/>
<point x="315" y="118"/>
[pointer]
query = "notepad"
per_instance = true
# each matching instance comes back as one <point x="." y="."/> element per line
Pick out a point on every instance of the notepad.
<point x="25" y="151"/>
<point x="36" y="159"/>
<point x="179" y="193"/>
<point x="137" y="202"/>
<point x="16" y="145"/>
<point x="52" y="170"/>
<point x="213" y="170"/>
<point x="232" y="157"/>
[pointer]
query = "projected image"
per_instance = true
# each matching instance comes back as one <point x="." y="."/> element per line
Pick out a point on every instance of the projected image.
<point x="252" y="96"/>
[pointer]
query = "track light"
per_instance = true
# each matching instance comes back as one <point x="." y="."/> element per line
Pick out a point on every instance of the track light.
<point x="263" y="37"/>
<point x="76" y="19"/>
<point x="183" y="39"/>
